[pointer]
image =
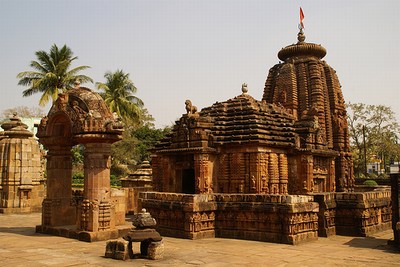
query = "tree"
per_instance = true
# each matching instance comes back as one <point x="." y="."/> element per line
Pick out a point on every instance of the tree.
<point x="374" y="132"/>
<point x="118" y="92"/>
<point x="52" y="74"/>
<point x="136" y="142"/>
<point x="23" y="111"/>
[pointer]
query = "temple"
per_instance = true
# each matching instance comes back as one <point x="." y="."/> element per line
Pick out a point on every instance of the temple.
<point x="277" y="169"/>
<point x="293" y="141"/>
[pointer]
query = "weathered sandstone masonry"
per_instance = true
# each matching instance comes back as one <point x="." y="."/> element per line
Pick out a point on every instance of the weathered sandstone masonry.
<point x="22" y="185"/>
<point x="272" y="218"/>
<point x="354" y="214"/>
<point x="278" y="170"/>
<point x="80" y="116"/>
<point x="290" y="219"/>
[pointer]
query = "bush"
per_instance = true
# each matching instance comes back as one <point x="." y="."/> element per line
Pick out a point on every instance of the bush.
<point x="78" y="178"/>
<point x="370" y="183"/>
<point x="114" y="181"/>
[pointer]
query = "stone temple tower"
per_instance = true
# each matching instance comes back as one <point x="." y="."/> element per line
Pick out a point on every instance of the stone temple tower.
<point x="22" y="186"/>
<point x="307" y="86"/>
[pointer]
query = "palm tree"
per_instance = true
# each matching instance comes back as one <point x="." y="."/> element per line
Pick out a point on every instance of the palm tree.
<point x="118" y="93"/>
<point x="51" y="74"/>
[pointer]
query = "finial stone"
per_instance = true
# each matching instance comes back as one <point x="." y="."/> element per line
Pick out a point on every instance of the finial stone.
<point x="244" y="88"/>
<point x="300" y="36"/>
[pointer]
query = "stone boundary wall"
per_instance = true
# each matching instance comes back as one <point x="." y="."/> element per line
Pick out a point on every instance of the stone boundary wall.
<point x="355" y="213"/>
<point x="274" y="218"/>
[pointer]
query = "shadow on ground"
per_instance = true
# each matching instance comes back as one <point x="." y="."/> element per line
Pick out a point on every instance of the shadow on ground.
<point x="27" y="231"/>
<point x="372" y="243"/>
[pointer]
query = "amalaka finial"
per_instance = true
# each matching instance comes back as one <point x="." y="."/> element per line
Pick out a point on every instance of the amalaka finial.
<point x="300" y="36"/>
<point x="244" y="88"/>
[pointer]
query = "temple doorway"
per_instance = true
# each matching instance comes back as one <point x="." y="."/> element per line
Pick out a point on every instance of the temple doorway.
<point x="188" y="181"/>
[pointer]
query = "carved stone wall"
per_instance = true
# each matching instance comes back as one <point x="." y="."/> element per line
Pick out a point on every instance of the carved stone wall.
<point x="272" y="218"/>
<point x="354" y="214"/>
<point x="80" y="116"/>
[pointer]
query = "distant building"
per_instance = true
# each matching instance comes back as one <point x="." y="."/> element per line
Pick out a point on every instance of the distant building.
<point x="394" y="167"/>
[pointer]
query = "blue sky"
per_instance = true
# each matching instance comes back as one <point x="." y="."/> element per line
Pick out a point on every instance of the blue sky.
<point x="203" y="50"/>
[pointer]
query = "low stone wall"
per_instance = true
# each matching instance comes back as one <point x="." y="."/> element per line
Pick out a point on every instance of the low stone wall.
<point x="355" y="213"/>
<point x="326" y="214"/>
<point x="273" y="218"/>
<point x="181" y="215"/>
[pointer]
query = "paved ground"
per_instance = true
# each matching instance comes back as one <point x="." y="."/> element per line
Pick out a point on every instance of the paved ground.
<point x="21" y="246"/>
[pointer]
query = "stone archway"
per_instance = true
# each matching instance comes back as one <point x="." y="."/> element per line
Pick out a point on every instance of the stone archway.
<point x="79" y="116"/>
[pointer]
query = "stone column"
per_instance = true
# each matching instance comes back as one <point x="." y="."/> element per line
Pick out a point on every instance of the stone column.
<point x="57" y="209"/>
<point x="283" y="174"/>
<point x="273" y="171"/>
<point x="96" y="210"/>
<point x="202" y="175"/>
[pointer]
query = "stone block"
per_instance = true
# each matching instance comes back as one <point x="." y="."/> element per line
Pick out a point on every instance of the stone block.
<point x="117" y="249"/>
<point x="155" y="250"/>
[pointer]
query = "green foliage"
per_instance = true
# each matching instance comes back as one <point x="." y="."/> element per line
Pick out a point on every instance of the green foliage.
<point x="376" y="124"/>
<point x="370" y="183"/>
<point x="77" y="155"/>
<point x="78" y="179"/>
<point x="147" y="138"/>
<point x="51" y="74"/>
<point x="118" y="92"/>
<point x="115" y="181"/>
<point x="136" y="141"/>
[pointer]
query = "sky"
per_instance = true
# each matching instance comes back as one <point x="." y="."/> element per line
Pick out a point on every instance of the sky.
<point x="202" y="50"/>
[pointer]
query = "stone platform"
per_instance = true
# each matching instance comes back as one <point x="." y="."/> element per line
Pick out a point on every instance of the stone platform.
<point x="21" y="246"/>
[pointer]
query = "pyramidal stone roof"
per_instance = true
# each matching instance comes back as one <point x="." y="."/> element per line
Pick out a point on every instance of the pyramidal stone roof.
<point x="239" y="120"/>
<point x="245" y="119"/>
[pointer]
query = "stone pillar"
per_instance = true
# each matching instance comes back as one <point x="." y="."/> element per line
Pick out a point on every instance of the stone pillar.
<point x="57" y="209"/>
<point x="283" y="174"/>
<point x="202" y="175"/>
<point x="307" y="176"/>
<point x="97" y="213"/>
<point x="273" y="171"/>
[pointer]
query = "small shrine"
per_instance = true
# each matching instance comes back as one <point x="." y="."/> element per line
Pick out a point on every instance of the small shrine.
<point x="140" y="180"/>
<point x="22" y="184"/>
<point x="80" y="116"/>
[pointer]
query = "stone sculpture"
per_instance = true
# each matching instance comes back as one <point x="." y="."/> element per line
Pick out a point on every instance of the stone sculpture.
<point x="151" y="245"/>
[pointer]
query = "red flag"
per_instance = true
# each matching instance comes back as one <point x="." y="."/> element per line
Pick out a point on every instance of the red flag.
<point x="301" y="18"/>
